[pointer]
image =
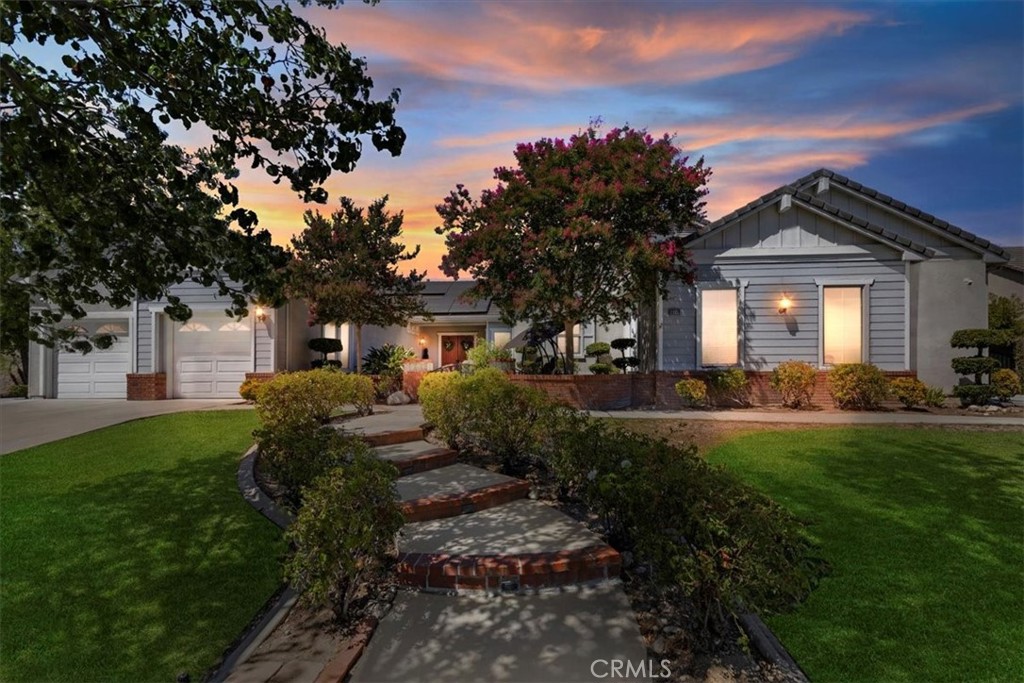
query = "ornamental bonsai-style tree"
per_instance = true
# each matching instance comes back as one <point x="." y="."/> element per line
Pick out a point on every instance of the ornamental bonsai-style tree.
<point x="979" y="365"/>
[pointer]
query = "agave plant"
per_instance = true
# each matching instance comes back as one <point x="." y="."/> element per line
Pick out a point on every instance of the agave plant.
<point x="385" y="360"/>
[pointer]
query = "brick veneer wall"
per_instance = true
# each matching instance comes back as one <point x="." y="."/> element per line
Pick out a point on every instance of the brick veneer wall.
<point x="150" y="386"/>
<point x="261" y="376"/>
<point x="635" y="390"/>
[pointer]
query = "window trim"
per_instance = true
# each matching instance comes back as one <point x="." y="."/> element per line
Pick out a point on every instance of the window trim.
<point x="741" y="343"/>
<point x="865" y="313"/>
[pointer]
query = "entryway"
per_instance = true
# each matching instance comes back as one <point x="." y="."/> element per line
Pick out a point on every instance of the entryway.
<point x="455" y="347"/>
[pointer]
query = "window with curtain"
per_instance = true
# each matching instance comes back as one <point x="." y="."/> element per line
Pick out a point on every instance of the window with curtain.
<point x="843" y="319"/>
<point x="719" y="327"/>
<point x="501" y="339"/>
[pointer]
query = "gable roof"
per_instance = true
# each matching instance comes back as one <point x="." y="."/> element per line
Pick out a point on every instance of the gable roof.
<point x="1016" y="256"/>
<point x="842" y="216"/>
<point x="902" y="207"/>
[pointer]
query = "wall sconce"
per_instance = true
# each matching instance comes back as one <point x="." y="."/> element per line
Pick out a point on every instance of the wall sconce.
<point x="261" y="314"/>
<point x="423" y="341"/>
<point x="784" y="304"/>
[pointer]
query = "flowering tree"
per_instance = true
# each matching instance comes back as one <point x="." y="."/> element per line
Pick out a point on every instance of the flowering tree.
<point x="578" y="230"/>
<point x="346" y="268"/>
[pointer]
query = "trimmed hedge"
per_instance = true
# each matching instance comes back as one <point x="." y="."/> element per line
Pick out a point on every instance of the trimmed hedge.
<point x="974" y="394"/>
<point x="975" y="365"/>
<point x="980" y="338"/>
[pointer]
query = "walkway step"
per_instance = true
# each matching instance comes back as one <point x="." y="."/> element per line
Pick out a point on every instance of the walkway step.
<point x="394" y="437"/>
<point x="456" y="490"/>
<point x="549" y="637"/>
<point x="416" y="456"/>
<point x="518" y="545"/>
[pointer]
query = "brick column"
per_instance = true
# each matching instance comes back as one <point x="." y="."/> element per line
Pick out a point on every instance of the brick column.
<point x="151" y="386"/>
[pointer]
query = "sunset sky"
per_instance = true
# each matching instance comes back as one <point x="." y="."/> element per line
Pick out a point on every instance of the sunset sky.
<point x="921" y="101"/>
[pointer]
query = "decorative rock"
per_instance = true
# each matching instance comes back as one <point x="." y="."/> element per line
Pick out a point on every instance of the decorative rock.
<point x="1018" y="400"/>
<point x="992" y="409"/>
<point x="399" y="398"/>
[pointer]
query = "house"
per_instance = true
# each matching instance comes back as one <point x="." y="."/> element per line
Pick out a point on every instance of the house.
<point x="826" y="270"/>
<point x="823" y="270"/>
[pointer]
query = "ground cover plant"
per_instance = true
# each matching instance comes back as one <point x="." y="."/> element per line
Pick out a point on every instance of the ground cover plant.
<point x="128" y="553"/>
<point x="922" y="530"/>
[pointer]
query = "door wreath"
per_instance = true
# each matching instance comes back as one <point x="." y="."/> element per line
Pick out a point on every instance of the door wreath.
<point x="449" y="345"/>
<point x="466" y="345"/>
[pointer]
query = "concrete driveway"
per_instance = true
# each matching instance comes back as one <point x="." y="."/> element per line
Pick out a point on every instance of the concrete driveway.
<point x="30" y="422"/>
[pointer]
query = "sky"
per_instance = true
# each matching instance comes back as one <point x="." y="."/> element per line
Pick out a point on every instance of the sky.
<point x="922" y="101"/>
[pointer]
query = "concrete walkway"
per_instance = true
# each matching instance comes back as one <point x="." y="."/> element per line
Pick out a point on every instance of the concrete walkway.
<point x="507" y="589"/>
<point x="31" y="422"/>
<point x="813" y="417"/>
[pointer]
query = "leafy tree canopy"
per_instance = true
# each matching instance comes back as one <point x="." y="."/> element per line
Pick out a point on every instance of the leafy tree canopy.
<point x="346" y="267"/>
<point x="577" y="230"/>
<point x="99" y="207"/>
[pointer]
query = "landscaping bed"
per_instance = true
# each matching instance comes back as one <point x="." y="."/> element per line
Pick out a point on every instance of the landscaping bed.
<point x="128" y="553"/>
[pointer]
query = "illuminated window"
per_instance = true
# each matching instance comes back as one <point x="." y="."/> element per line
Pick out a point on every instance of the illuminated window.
<point x="233" y="326"/>
<point x="843" y="318"/>
<point x="719" y="327"/>
<point x="112" y="328"/>
<point x="194" y="327"/>
<point x="501" y="339"/>
<point x="577" y="339"/>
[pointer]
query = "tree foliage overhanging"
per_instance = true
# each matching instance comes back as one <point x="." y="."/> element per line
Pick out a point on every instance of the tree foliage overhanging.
<point x="346" y="268"/>
<point x="99" y="207"/>
<point x="578" y="230"/>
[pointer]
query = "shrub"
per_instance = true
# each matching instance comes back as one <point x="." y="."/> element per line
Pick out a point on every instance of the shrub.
<point x="974" y="365"/>
<point x="386" y="360"/>
<point x="624" y="344"/>
<point x="974" y="394"/>
<point x="483" y="354"/>
<point x="344" y="532"/>
<point x="440" y="405"/>
<point x="795" y="380"/>
<point x="596" y="349"/>
<point x="602" y="368"/>
<point x="909" y="391"/>
<point x="694" y="392"/>
<point x="1005" y="383"/>
<point x="295" y="456"/>
<point x="310" y="398"/>
<point x="857" y="386"/>
<point x="17" y="391"/>
<point x="935" y="397"/>
<point x="728" y="385"/>
<point x="251" y="389"/>
<point x="699" y="526"/>
<point x="626" y="362"/>
<point x="325" y="346"/>
<point x="980" y="338"/>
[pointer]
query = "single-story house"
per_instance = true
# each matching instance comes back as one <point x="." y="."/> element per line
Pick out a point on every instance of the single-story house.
<point x="822" y="270"/>
<point x="826" y="270"/>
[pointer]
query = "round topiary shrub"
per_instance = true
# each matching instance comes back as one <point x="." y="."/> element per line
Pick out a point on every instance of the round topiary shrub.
<point x="602" y="368"/>
<point x="1005" y="383"/>
<point x="694" y="392"/>
<point x="597" y="349"/>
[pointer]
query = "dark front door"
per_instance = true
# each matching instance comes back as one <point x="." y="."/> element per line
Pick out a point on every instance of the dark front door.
<point x="454" y="348"/>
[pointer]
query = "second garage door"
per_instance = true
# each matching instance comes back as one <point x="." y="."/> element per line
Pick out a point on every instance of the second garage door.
<point x="212" y="353"/>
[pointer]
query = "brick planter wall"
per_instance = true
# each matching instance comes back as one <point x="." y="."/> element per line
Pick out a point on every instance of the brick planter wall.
<point x="151" y="386"/>
<point x="262" y="376"/>
<point x="594" y="392"/>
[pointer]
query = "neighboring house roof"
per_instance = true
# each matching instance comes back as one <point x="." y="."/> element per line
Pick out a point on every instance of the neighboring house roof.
<point x="445" y="297"/>
<point x="911" y="211"/>
<point x="1016" y="256"/>
<point x="820" y="205"/>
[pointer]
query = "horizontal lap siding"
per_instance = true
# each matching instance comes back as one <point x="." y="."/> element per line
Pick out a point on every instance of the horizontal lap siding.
<point x="771" y="338"/>
<point x="144" y="335"/>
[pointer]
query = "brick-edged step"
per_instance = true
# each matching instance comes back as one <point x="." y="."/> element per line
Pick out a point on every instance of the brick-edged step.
<point x="522" y="544"/>
<point x="416" y="456"/>
<point x="394" y="437"/>
<point x="455" y="490"/>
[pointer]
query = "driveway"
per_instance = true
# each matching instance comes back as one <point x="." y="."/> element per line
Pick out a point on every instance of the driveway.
<point x="30" y="422"/>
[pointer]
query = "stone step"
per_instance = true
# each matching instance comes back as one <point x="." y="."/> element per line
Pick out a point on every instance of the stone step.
<point x="416" y="456"/>
<point x="520" y="545"/>
<point x="456" y="490"/>
<point x="394" y="437"/>
<point x="549" y="637"/>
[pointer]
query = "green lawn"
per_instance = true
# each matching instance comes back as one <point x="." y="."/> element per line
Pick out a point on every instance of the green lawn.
<point x="128" y="553"/>
<point x="924" y="529"/>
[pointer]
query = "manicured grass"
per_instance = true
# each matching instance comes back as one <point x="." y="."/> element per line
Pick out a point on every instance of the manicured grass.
<point x="128" y="553"/>
<point x="924" y="529"/>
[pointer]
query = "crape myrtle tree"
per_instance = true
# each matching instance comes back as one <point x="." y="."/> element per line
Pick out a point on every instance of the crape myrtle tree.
<point x="100" y="207"/>
<point x="577" y="230"/>
<point x="346" y="268"/>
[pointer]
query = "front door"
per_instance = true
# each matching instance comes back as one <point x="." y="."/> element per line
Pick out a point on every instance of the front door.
<point x="454" y="347"/>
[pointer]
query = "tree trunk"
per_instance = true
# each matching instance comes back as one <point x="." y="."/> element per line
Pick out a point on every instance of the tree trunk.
<point x="359" y="348"/>
<point x="647" y="337"/>
<point x="570" y="362"/>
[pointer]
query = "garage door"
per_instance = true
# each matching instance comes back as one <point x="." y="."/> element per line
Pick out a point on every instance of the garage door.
<point x="101" y="373"/>
<point x="211" y="356"/>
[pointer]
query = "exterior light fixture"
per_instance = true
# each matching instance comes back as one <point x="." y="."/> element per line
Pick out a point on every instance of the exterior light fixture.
<point x="784" y="304"/>
<point x="261" y="314"/>
<point x="423" y="341"/>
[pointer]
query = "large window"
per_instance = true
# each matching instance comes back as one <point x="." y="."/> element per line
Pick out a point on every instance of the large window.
<point x="719" y="327"/>
<point x="843" y="320"/>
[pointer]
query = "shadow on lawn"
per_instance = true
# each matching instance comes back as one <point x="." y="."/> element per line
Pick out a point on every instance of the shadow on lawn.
<point x="923" y="532"/>
<point x="138" y="577"/>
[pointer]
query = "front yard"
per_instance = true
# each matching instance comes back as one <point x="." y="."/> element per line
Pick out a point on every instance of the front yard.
<point x="923" y="529"/>
<point x="128" y="553"/>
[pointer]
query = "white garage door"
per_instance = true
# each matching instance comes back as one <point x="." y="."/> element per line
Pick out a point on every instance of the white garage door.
<point x="101" y="373"/>
<point x="212" y="353"/>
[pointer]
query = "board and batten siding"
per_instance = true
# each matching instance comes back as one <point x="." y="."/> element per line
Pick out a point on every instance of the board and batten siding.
<point x="769" y="338"/>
